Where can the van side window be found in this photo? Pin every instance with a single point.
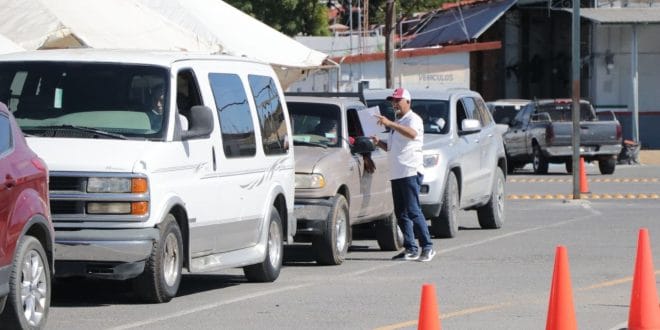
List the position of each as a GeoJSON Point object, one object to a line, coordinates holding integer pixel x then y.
{"type": "Point", "coordinates": [231, 102]}
{"type": "Point", "coordinates": [271, 115]}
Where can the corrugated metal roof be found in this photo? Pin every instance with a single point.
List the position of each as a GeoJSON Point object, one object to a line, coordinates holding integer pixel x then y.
{"type": "Point", "coordinates": [458, 25]}
{"type": "Point", "coordinates": [621, 15]}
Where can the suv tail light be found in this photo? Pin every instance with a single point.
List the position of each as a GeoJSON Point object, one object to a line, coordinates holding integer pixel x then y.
{"type": "Point", "coordinates": [619, 132]}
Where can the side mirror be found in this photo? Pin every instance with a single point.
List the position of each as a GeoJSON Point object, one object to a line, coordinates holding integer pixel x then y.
{"type": "Point", "coordinates": [362, 145]}
{"type": "Point", "coordinates": [200, 123]}
{"type": "Point", "coordinates": [469, 126]}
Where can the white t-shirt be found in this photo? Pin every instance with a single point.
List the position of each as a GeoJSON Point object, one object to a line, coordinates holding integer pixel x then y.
{"type": "Point", "coordinates": [405, 155]}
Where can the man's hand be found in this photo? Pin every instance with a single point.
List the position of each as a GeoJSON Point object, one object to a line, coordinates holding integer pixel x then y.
{"type": "Point", "coordinates": [382, 120]}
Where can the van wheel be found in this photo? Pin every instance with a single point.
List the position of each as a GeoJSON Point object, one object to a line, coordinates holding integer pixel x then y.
{"type": "Point", "coordinates": [160, 280]}
{"type": "Point", "coordinates": [388, 234]}
{"type": "Point", "coordinates": [269, 269]}
{"type": "Point", "coordinates": [332, 246]}
{"type": "Point", "coordinates": [446, 225]}
{"type": "Point", "coordinates": [539, 163]}
{"type": "Point", "coordinates": [607, 165]}
{"type": "Point", "coordinates": [491, 215]}
{"type": "Point", "coordinates": [28, 301]}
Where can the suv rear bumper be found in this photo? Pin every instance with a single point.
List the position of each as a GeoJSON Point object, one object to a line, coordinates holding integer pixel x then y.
{"type": "Point", "coordinates": [311, 215]}
{"type": "Point", "coordinates": [106, 253]}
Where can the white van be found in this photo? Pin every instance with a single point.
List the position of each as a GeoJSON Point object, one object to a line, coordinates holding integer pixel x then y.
{"type": "Point", "coordinates": [159, 162]}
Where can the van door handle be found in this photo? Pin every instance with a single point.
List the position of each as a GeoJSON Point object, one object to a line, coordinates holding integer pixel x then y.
{"type": "Point", "coordinates": [213, 157]}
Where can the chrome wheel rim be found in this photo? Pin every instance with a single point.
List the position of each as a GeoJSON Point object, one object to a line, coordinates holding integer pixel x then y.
{"type": "Point", "coordinates": [340, 229]}
{"type": "Point", "coordinates": [34, 288]}
{"type": "Point", "coordinates": [274, 244]}
{"type": "Point", "coordinates": [536, 161]}
{"type": "Point", "coordinates": [171, 259]}
{"type": "Point", "coordinates": [499, 195]}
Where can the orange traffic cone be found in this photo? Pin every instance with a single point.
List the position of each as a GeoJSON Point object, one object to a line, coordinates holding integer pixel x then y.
{"type": "Point", "coordinates": [584, 184]}
{"type": "Point", "coordinates": [644, 312]}
{"type": "Point", "coordinates": [429, 318]}
{"type": "Point", "coordinates": [561, 313]}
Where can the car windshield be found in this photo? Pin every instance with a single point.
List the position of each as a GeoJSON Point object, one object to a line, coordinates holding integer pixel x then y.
{"type": "Point", "coordinates": [434, 113]}
{"type": "Point", "coordinates": [315, 124]}
{"type": "Point", "coordinates": [503, 114]}
{"type": "Point", "coordinates": [86, 100]}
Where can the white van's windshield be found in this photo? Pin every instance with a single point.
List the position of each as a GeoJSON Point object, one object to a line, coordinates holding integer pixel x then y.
{"type": "Point", "coordinates": [86, 100]}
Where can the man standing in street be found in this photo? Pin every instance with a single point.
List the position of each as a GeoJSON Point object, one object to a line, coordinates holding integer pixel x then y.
{"type": "Point", "coordinates": [404, 148]}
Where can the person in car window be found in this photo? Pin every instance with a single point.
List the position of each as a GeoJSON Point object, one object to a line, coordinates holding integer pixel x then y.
{"type": "Point", "coordinates": [404, 148]}
{"type": "Point", "coordinates": [156, 110]}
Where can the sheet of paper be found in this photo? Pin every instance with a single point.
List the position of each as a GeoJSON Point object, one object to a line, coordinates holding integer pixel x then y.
{"type": "Point", "coordinates": [369, 122]}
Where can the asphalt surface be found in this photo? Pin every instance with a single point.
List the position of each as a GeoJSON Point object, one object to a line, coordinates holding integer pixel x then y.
{"type": "Point", "coordinates": [485, 279]}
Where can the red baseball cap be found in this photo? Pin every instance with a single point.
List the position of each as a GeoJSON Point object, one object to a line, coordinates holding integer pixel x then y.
{"type": "Point", "coordinates": [399, 93]}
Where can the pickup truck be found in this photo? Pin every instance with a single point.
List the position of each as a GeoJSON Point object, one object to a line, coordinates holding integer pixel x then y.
{"type": "Point", "coordinates": [541, 133]}
{"type": "Point", "coordinates": [464, 160]}
{"type": "Point", "coordinates": [341, 179]}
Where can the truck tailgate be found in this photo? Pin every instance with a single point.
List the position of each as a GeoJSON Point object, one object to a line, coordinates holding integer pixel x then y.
{"type": "Point", "coordinates": [592, 133]}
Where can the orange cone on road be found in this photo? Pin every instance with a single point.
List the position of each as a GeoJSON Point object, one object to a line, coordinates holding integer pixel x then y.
{"type": "Point", "coordinates": [429, 318]}
{"type": "Point", "coordinates": [644, 312]}
{"type": "Point", "coordinates": [584, 184]}
{"type": "Point", "coordinates": [561, 313]}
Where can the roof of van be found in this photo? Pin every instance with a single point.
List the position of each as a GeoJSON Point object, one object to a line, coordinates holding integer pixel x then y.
{"type": "Point", "coordinates": [323, 100]}
{"type": "Point", "coordinates": [164, 58]}
{"type": "Point", "coordinates": [424, 94]}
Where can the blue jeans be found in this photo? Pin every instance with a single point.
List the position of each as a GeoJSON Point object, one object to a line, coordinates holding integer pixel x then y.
{"type": "Point", "coordinates": [405, 192]}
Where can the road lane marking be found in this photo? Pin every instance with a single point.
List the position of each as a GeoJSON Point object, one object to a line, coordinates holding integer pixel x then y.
{"type": "Point", "coordinates": [352, 274]}
{"type": "Point", "coordinates": [487, 308]}
{"type": "Point", "coordinates": [565, 180]}
{"type": "Point", "coordinates": [583, 196]}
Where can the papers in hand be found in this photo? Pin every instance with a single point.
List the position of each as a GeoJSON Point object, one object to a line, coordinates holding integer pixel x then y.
{"type": "Point", "coordinates": [369, 121]}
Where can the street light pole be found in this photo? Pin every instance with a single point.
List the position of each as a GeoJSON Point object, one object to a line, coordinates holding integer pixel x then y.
{"type": "Point", "coordinates": [389, 44]}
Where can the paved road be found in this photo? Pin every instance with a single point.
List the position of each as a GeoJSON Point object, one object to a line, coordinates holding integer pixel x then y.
{"type": "Point", "coordinates": [485, 279]}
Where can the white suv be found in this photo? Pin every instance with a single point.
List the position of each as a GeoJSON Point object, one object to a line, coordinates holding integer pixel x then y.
{"type": "Point", "coordinates": [464, 160]}
{"type": "Point", "coordinates": [159, 162]}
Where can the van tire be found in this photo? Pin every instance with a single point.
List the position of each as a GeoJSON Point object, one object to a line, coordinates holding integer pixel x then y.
{"type": "Point", "coordinates": [14, 313]}
{"type": "Point", "coordinates": [491, 215]}
{"type": "Point", "coordinates": [332, 246]}
{"type": "Point", "coordinates": [388, 234]}
{"type": "Point", "coordinates": [269, 269]}
{"type": "Point", "coordinates": [446, 224]}
{"type": "Point", "coordinates": [159, 282]}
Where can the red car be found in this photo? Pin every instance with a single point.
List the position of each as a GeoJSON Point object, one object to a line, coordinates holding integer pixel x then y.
{"type": "Point", "coordinates": [26, 231]}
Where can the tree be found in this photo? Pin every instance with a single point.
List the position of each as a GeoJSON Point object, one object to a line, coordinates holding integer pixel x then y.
{"type": "Point", "coordinates": [291, 17]}
{"type": "Point", "coordinates": [404, 8]}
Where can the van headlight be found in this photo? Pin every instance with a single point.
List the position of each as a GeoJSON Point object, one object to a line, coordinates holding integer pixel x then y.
{"type": "Point", "coordinates": [431, 160]}
{"type": "Point", "coordinates": [310, 181]}
{"type": "Point", "coordinates": [116, 185]}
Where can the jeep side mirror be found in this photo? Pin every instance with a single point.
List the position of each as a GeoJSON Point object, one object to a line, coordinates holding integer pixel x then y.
{"type": "Point", "coordinates": [469, 126]}
{"type": "Point", "coordinates": [200, 123]}
{"type": "Point", "coordinates": [362, 145]}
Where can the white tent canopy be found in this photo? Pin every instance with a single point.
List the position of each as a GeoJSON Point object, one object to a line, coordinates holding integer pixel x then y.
{"type": "Point", "coordinates": [8, 46]}
{"type": "Point", "coordinates": [195, 25]}
{"type": "Point", "coordinates": [40, 24]}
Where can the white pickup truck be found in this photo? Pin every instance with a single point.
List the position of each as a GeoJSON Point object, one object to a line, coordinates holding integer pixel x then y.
{"type": "Point", "coordinates": [159, 162]}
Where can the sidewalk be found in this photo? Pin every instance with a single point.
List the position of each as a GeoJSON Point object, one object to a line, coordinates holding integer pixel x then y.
{"type": "Point", "coordinates": [649, 157]}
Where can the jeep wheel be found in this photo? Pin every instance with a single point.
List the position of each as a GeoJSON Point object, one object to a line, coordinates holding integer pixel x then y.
{"type": "Point", "coordinates": [331, 247]}
{"type": "Point", "coordinates": [388, 234]}
{"type": "Point", "coordinates": [29, 287]}
{"type": "Point", "coordinates": [160, 280]}
{"type": "Point", "coordinates": [269, 269]}
{"type": "Point", "coordinates": [446, 225]}
{"type": "Point", "coordinates": [607, 166]}
{"type": "Point", "coordinates": [539, 163]}
{"type": "Point", "coordinates": [491, 215]}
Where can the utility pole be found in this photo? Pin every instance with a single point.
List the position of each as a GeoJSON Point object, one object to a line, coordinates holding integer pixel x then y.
{"type": "Point", "coordinates": [575, 47]}
{"type": "Point", "coordinates": [389, 43]}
